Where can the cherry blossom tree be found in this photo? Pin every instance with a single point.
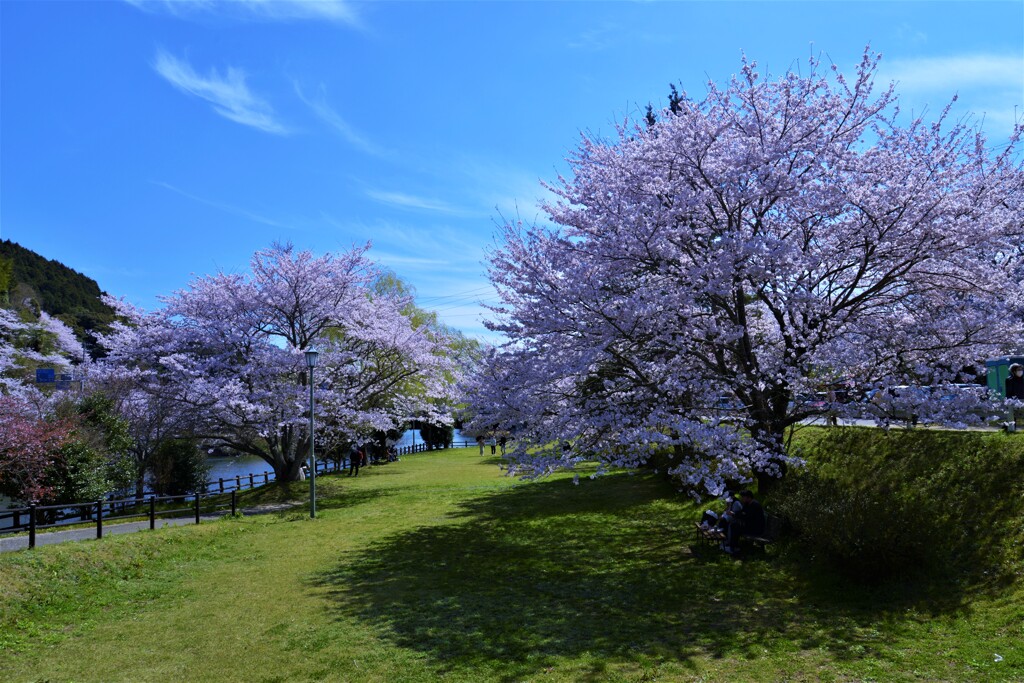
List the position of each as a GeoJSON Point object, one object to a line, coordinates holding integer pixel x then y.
{"type": "Point", "coordinates": [29, 448]}
{"type": "Point", "coordinates": [152, 412]}
{"type": "Point", "coordinates": [229, 350]}
{"type": "Point", "coordinates": [709, 268]}
{"type": "Point", "coordinates": [32, 340]}
{"type": "Point", "coordinates": [55, 446]}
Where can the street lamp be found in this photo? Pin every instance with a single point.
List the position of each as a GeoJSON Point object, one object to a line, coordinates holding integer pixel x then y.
{"type": "Point", "coordinates": [311, 358]}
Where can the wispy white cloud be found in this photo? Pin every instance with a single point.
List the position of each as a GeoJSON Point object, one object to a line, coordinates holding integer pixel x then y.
{"type": "Point", "coordinates": [609, 35]}
{"type": "Point", "coordinates": [907, 33]}
{"type": "Point", "coordinates": [990, 87]}
{"type": "Point", "coordinates": [398, 260]}
{"type": "Point", "coordinates": [336, 11]}
{"type": "Point", "coordinates": [595, 39]}
{"type": "Point", "coordinates": [514, 193]}
{"type": "Point", "coordinates": [446, 269]}
{"type": "Point", "coordinates": [956, 72]}
{"type": "Point", "coordinates": [228, 93]}
{"type": "Point", "coordinates": [227, 208]}
{"type": "Point", "coordinates": [446, 244]}
{"type": "Point", "coordinates": [404, 200]}
{"type": "Point", "coordinates": [341, 127]}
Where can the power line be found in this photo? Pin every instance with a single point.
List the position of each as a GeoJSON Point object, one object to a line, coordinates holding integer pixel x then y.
{"type": "Point", "coordinates": [455, 295]}
{"type": "Point", "coordinates": [465, 304]}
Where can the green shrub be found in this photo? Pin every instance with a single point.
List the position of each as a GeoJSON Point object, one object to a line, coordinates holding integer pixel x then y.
{"type": "Point", "coordinates": [95, 461]}
{"type": "Point", "coordinates": [883, 504]}
{"type": "Point", "coordinates": [436, 436]}
{"type": "Point", "coordinates": [178, 467]}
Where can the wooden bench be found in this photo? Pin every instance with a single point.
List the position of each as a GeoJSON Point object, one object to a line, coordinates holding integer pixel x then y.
{"type": "Point", "coordinates": [712, 535]}
{"type": "Point", "coordinates": [772, 529]}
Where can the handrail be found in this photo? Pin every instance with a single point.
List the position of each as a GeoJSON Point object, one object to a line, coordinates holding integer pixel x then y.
{"type": "Point", "coordinates": [148, 502]}
{"type": "Point", "coordinates": [145, 506]}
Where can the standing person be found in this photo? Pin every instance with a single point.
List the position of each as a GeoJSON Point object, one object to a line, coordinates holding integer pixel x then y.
{"type": "Point", "coordinates": [355, 459]}
{"type": "Point", "coordinates": [480, 443]}
{"type": "Point", "coordinates": [749, 521]}
{"type": "Point", "coordinates": [1015, 390]}
{"type": "Point", "coordinates": [501, 442]}
{"type": "Point", "coordinates": [493, 444]}
{"type": "Point", "coordinates": [833, 419]}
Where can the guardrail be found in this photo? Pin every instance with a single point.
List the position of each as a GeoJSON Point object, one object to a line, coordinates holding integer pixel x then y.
{"type": "Point", "coordinates": [240, 482]}
{"type": "Point", "coordinates": [36, 517]}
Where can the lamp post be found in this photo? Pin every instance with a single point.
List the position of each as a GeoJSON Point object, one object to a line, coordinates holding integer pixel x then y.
{"type": "Point", "coordinates": [311, 358]}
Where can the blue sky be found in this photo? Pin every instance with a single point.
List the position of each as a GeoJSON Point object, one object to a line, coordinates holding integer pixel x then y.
{"type": "Point", "coordinates": [143, 143]}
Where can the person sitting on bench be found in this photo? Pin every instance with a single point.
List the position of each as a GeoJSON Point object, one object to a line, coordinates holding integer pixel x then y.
{"type": "Point", "coordinates": [712, 520]}
{"type": "Point", "coordinates": [749, 521]}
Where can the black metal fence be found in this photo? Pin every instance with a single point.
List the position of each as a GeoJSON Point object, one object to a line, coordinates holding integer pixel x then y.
{"type": "Point", "coordinates": [36, 517]}
{"type": "Point", "coordinates": [240, 482]}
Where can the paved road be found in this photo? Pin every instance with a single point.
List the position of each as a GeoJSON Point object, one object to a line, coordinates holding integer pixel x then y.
{"type": "Point", "coordinates": [20, 542]}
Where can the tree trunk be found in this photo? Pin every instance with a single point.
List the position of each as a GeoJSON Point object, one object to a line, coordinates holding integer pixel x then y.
{"type": "Point", "coordinates": [289, 454]}
{"type": "Point", "coordinates": [770, 436]}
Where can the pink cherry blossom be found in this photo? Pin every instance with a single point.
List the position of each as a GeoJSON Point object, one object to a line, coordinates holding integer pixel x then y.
{"type": "Point", "coordinates": [229, 352]}
{"type": "Point", "coordinates": [704, 275]}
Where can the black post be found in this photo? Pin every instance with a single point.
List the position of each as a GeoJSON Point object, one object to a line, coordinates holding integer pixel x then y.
{"type": "Point", "coordinates": [238, 481]}
{"type": "Point", "coordinates": [99, 519]}
{"type": "Point", "coordinates": [251, 484]}
{"type": "Point", "coordinates": [222, 484]}
{"type": "Point", "coordinates": [32, 525]}
{"type": "Point", "coordinates": [152, 513]}
{"type": "Point", "coordinates": [197, 507]}
{"type": "Point", "coordinates": [266, 477]}
{"type": "Point", "coordinates": [234, 503]}
{"type": "Point", "coordinates": [15, 519]}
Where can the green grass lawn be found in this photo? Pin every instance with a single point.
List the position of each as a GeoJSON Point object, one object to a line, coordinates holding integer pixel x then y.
{"type": "Point", "coordinates": [440, 568]}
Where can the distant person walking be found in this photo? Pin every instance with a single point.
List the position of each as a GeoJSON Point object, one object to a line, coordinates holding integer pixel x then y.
{"type": "Point", "coordinates": [355, 459]}
{"type": "Point", "coordinates": [493, 444]}
{"type": "Point", "coordinates": [501, 442]}
{"type": "Point", "coordinates": [1015, 390]}
{"type": "Point", "coordinates": [480, 443]}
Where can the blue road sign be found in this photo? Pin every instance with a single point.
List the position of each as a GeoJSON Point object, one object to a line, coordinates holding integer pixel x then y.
{"type": "Point", "coordinates": [44, 375]}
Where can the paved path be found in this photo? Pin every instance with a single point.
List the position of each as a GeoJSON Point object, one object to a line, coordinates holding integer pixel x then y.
{"type": "Point", "coordinates": [20, 542]}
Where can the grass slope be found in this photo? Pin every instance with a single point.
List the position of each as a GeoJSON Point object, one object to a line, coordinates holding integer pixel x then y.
{"type": "Point", "coordinates": [439, 568]}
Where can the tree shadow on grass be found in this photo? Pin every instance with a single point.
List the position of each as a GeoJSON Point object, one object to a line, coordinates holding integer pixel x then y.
{"type": "Point", "coordinates": [521, 579]}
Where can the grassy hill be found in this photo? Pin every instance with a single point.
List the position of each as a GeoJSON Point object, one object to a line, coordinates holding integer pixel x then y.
{"type": "Point", "coordinates": [440, 568]}
{"type": "Point", "coordinates": [55, 288]}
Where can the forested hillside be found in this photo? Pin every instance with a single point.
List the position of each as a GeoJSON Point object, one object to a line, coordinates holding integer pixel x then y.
{"type": "Point", "coordinates": [28, 280]}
